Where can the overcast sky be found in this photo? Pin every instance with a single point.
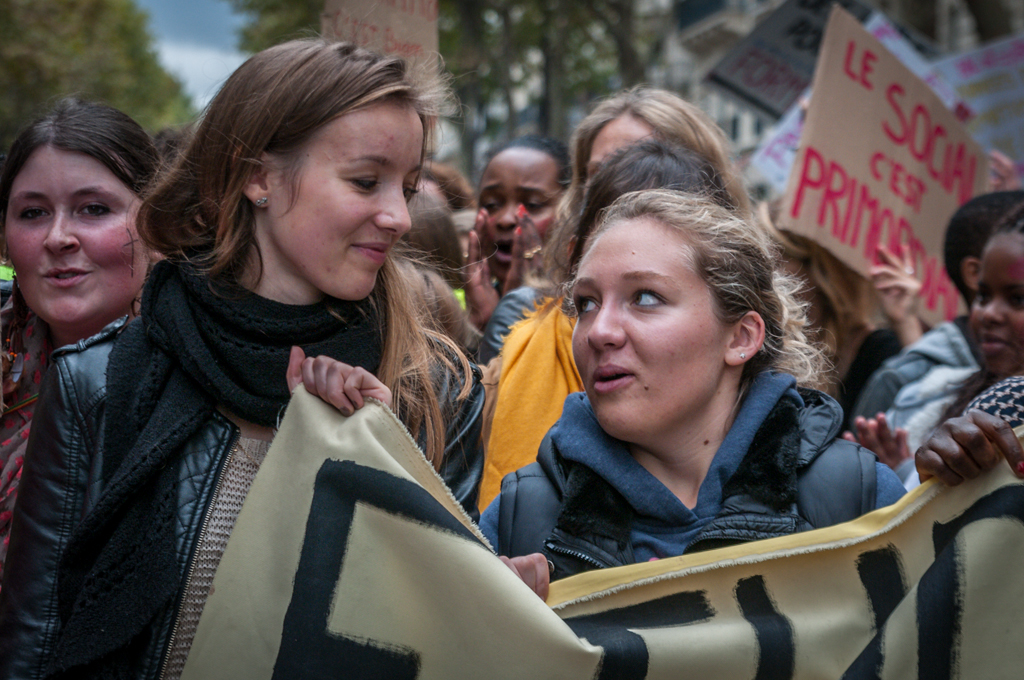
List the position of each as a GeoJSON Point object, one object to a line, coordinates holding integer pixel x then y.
{"type": "Point", "coordinates": [196, 40]}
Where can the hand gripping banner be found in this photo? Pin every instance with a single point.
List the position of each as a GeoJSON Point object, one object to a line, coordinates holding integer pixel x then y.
{"type": "Point", "coordinates": [351, 560]}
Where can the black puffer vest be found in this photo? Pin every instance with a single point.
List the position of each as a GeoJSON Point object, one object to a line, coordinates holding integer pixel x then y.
{"type": "Point", "coordinates": [796, 476]}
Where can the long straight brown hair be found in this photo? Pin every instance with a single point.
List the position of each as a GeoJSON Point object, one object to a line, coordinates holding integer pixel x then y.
{"type": "Point", "coordinates": [274, 104]}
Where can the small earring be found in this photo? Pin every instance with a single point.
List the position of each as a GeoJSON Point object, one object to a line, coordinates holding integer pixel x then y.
{"type": "Point", "coordinates": [743, 355]}
{"type": "Point", "coordinates": [261, 201]}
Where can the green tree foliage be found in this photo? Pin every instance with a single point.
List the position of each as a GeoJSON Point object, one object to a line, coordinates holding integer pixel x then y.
{"type": "Point", "coordinates": [497, 49]}
{"type": "Point", "coordinates": [274, 21]}
{"type": "Point", "coordinates": [558, 50]}
{"type": "Point", "coordinates": [96, 49]}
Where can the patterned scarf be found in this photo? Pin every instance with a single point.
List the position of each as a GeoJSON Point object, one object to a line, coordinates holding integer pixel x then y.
{"type": "Point", "coordinates": [26, 355]}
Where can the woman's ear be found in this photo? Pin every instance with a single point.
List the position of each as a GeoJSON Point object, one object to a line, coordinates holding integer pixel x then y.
{"type": "Point", "coordinates": [746, 339]}
{"type": "Point", "coordinates": [258, 185]}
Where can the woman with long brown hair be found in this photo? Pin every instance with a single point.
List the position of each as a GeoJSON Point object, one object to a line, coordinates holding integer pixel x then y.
{"type": "Point", "coordinates": [276, 225]}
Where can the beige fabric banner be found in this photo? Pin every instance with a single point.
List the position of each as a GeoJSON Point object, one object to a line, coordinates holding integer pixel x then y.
{"type": "Point", "coordinates": [350, 559]}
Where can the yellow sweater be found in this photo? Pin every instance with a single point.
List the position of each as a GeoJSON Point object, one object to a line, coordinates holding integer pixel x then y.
{"type": "Point", "coordinates": [537, 374]}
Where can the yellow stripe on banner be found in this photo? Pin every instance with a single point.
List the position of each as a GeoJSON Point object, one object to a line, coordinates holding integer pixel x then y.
{"type": "Point", "coordinates": [593, 584]}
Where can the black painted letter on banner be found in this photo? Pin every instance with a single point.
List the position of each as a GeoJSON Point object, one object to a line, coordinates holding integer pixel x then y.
{"type": "Point", "coordinates": [308, 650]}
{"type": "Point", "coordinates": [625, 652]}
{"type": "Point", "coordinates": [939, 603]}
{"type": "Point", "coordinates": [881, 572]}
{"type": "Point", "coordinates": [776, 647]}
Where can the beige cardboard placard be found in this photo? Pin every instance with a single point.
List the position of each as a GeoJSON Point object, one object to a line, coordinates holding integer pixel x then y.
{"type": "Point", "coordinates": [881, 162]}
{"type": "Point", "coordinates": [406, 28]}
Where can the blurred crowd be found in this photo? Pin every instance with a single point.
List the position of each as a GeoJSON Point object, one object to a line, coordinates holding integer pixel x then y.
{"type": "Point", "coordinates": [608, 352]}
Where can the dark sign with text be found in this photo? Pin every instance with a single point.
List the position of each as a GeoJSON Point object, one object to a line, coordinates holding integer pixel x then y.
{"type": "Point", "coordinates": [774, 64]}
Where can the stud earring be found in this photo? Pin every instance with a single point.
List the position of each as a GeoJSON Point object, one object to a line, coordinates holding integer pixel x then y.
{"type": "Point", "coordinates": [261, 201]}
{"type": "Point", "coordinates": [743, 355]}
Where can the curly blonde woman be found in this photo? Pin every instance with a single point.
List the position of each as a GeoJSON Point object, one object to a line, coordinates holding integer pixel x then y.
{"type": "Point", "coordinates": [697, 428]}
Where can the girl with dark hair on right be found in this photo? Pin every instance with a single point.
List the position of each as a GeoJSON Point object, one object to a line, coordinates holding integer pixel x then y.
{"type": "Point", "coordinates": [971, 440]}
{"type": "Point", "coordinates": [997, 312]}
{"type": "Point", "coordinates": [69, 193]}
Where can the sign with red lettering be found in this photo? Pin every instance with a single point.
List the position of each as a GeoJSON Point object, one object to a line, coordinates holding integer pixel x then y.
{"type": "Point", "coordinates": [406, 28]}
{"type": "Point", "coordinates": [881, 162]}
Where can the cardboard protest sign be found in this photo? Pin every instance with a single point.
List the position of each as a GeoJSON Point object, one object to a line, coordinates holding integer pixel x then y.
{"type": "Point", "coordinates": [991, 79]}
{"type": "Point", "coordinates": [351, 559]}
{"type": "Point", "coordinates": [406, 28]}
{"type": "Point", "coordinates": [774, 156]}
{"type": "Point", "coordinates": [774, 63]}
{"type": "Point", "coordinates": [881, 162]}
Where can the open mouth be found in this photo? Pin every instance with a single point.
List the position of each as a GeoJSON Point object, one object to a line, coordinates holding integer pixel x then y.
{"type": "Point", "coordinates": [503, 250]}
{"type": "Point", "coordinates": [610, 379]}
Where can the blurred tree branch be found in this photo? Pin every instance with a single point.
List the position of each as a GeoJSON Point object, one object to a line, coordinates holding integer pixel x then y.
{"type": "Point", "coordinates": [274, 21]}
{"type": "Point", "coordinates": [96, 49]}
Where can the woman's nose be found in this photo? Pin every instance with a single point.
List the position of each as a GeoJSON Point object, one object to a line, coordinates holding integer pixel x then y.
{"type": "Point", "coordinates": [61, 236]}
{"type": "Point", "coordinates": [506, 217]}
{"type": "Point", "coordinates": [394, 214]}
{"type": "Point", "coordinates": [606, 328]}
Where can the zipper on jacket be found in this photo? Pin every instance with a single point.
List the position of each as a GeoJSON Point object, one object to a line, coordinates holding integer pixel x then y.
{"type": "Point", "coordinates": [581, 556]}
{"type": "Point", "coordinates": [195, 552]}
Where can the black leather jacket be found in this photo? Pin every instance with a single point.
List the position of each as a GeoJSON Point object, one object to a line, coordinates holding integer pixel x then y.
{"type": "Point", "coordinates": [61, 481]}
{"type": "Point", "coordinates": [796, 476]}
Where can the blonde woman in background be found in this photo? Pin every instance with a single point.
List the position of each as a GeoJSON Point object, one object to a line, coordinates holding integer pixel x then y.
{"type": "Point", "coordinates": [845, 309]}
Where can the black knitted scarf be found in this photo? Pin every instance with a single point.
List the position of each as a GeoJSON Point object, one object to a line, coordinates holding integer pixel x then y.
{"type": "Point", "coordinates": [193, 349]}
